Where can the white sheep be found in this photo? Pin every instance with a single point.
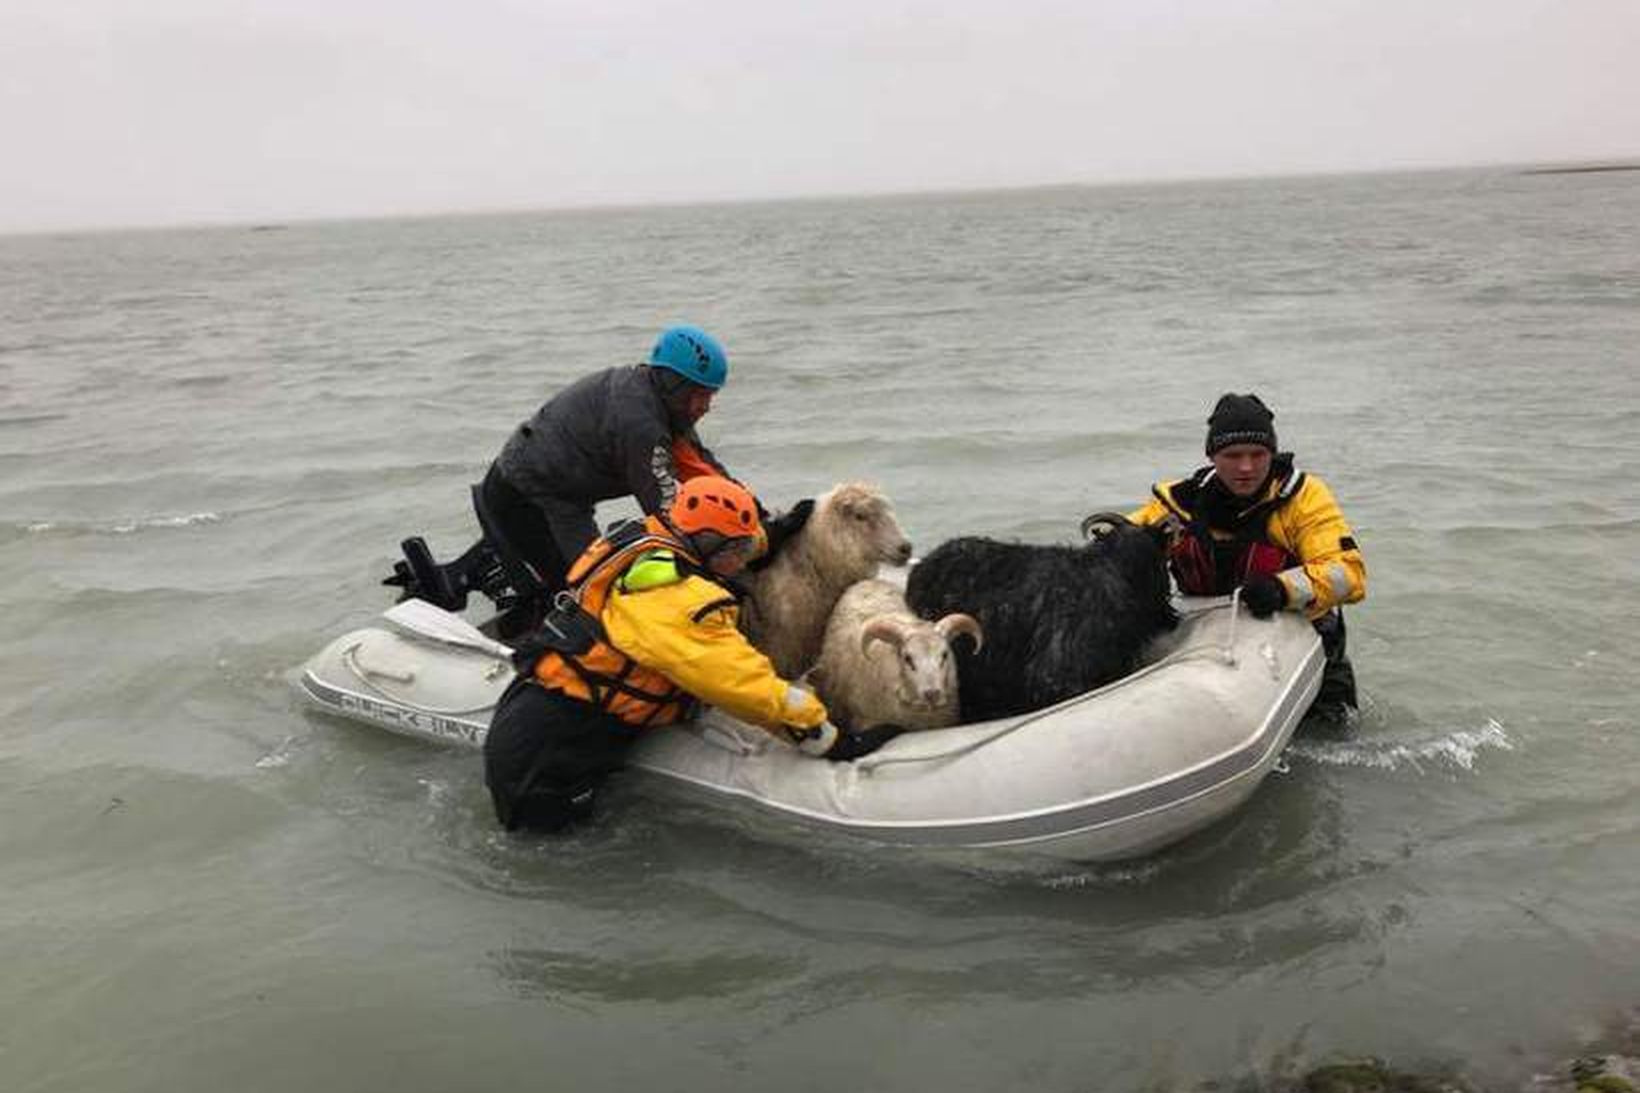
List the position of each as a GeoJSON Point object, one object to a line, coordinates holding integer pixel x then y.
{"type": "Point", "coordinates": [850, 533]}
{"type": "Point", "coordinates": [882, 665]}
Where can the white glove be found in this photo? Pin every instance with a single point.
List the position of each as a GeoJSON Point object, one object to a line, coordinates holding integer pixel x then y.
{"type": "Point", "coordinates": [814, 742]}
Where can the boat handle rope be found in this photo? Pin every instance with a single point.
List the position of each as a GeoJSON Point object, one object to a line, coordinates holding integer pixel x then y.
{"type": "Point", "coordinates": [1230, 641]}
{"type": "Point", "coordinates": [1225, 654]}
{"type": "Point", "coordinates": [350, 657]}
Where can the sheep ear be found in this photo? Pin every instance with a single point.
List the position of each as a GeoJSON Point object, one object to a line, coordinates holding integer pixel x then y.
{"type": "Point", "coordinates": [882, 628]}
{"type": "Point", "coordinates": [952, 626]}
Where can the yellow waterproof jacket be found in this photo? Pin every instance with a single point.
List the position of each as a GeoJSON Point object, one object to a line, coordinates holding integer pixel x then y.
{"type": "Point", "coordinates": [664, 634]}
{"type": "Point", "coordinates": [1304, 521]}
{"type": "Point", "coordinates": [683, 627]}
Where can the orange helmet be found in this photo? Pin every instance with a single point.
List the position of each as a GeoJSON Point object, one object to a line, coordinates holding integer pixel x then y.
{"type": "Point", "coordinates": [709, 503]}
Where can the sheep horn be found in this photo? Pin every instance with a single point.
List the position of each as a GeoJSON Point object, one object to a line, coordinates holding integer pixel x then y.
{"type": "Point", "coordinates": [952, 626]}
{"type": "Point", "coordinates": [882, 628]}
{"type": "Point", "coordinates": [1097, 525]}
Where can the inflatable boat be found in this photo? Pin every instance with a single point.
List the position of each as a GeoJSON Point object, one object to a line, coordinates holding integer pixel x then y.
{"type": "Point", "coordinates": [1112, 774]}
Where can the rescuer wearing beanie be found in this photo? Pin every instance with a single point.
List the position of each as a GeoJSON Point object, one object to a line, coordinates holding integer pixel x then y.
{"type": "Point", "coordinates": [1251, 520]}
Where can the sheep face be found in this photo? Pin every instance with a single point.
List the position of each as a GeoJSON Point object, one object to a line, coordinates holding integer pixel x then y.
{"type": "Point", "coordinates": [925, 671]}
{"type": "Point", "coordinates": [860, 523]}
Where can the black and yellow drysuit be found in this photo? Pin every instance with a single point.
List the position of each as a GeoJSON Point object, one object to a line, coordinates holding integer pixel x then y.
{"type": "Point", "coordinates": [1291, 531]}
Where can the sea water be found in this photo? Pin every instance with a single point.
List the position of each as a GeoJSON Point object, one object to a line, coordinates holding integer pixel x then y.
{"type": "Point", "coordinates": [211, 442]}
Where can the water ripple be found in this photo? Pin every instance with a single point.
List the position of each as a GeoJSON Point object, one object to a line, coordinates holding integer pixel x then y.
{"type": "Point", "coordinates": [1459, 749]}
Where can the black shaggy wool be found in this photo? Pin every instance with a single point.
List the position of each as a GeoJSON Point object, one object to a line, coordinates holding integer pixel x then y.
{"type": "Point", "coordinates": [1058, 620]}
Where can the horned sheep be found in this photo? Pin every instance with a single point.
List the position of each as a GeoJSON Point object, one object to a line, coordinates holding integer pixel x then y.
{"type": "Point", "coordinates": [1058, 620]}
{"type": "Point", "coordinates": [851, 531]}
{"type": "Point", "coordinates": [881, 665]}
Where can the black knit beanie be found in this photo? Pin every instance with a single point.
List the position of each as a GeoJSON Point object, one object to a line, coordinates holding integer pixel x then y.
{"type": "Point", "coordinates": [1240, 419]}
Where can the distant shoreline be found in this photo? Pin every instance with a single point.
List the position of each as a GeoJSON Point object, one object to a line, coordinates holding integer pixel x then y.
{"type": "Point", "coordinates": [1582, 170]}
{"type": "Point", "coordinates": [275, 220]}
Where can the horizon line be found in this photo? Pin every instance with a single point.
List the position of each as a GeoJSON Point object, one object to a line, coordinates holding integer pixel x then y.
{"type": "Point", "coordinates": [1583, 165]}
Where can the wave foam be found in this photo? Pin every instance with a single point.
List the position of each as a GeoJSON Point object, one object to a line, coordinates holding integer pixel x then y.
{"type": "Point", "coordinates": [191, 520]}
{"type": "Point", "coordinates": [278, 757]}
{"type": "Point", "coordinates": [125, 527]}
{"type": "Point", "coordinates": [1455, 749]}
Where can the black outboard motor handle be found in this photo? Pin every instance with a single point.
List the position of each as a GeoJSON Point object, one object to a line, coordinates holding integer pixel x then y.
{"type": "Point", "coordinates": [490, 566]}
{"type": "Point", "coordinates": [424, 579]}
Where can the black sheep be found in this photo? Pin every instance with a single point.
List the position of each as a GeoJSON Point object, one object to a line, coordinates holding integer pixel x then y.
{"type": "Point", "coordinates": [1058, 620]}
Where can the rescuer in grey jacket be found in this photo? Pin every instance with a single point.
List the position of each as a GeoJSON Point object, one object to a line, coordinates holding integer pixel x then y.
{"type": "Point", "coordinates": [625, 431]}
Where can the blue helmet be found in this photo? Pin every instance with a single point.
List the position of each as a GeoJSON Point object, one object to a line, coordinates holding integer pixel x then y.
{"type": "Point", "coordinates": [693, 354]}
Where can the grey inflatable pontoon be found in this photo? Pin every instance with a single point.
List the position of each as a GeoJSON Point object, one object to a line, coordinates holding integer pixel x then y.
{"type": "Point", "coordinates": [1111, 774]}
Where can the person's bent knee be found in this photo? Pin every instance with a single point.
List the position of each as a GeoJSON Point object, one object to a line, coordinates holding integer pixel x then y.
{"type": "Point", "coordinates": [545, 756]}
{"type": "Point", "coordinates": [544, 811]}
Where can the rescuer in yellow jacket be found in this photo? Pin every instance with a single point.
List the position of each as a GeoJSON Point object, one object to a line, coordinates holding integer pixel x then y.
{"type": "Point", "coordinates": [1251, 520]}
{"type": "Point", "coordinates": [645, 632]}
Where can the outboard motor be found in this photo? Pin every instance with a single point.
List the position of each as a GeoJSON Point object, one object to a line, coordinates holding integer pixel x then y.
{"type": "Point", "coordinates": [490, 567]}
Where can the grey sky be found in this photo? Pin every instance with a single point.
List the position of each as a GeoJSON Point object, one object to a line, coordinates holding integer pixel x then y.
{"type": "Point", "coordinates": [154, 111]}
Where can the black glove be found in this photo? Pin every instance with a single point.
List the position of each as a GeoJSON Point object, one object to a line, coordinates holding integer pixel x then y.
{"type": "Point", "coordinates": [1264, 596]}
{"type": "Point", "coordinates": [782, 528]}
{"type": "Point", "coordinates": [852, 745]}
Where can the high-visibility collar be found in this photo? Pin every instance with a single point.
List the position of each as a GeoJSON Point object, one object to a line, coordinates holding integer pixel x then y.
{"type": "Point", "coordinates": [1183, 499]}
{"type": "Point", "coordinates": [596, 570]}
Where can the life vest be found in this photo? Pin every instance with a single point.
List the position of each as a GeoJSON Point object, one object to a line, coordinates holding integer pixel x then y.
{"type": "Point", "coordinates": [1207, 565]}
{"type": "Point", "coordinates": [577, 657]}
